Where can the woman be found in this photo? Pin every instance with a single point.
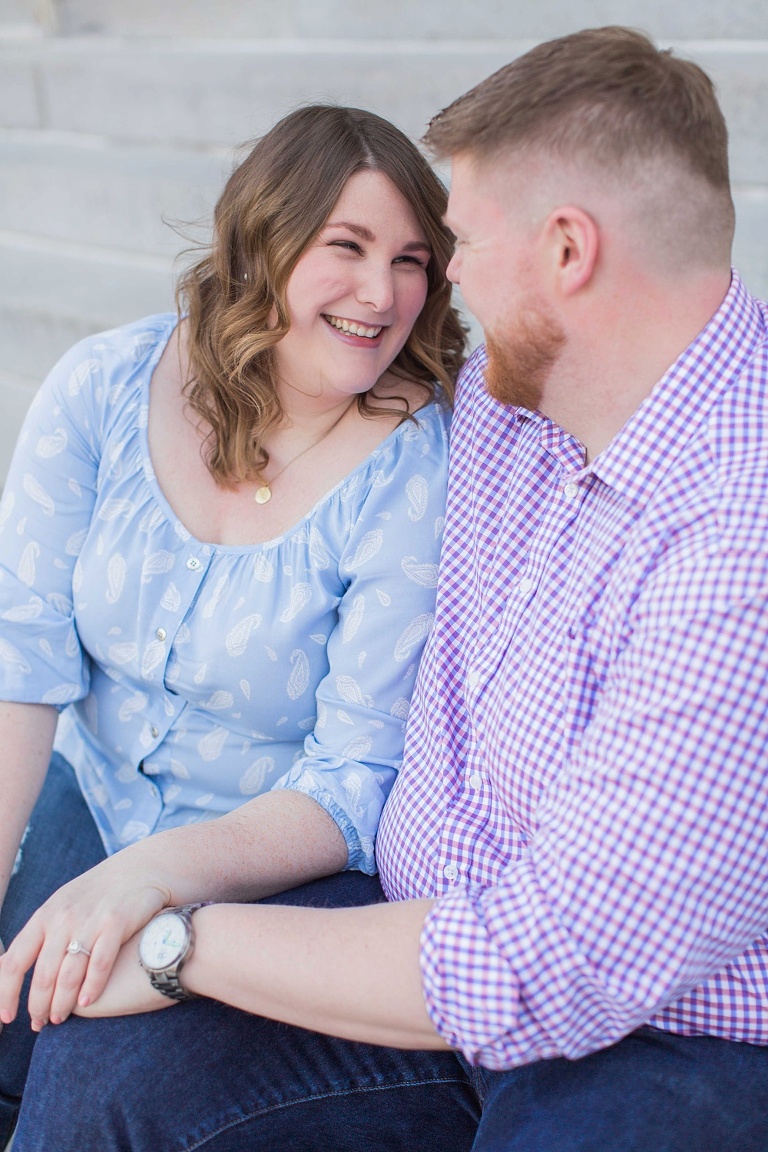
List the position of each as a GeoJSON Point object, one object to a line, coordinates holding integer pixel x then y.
{"type": "Point", "coordinates": [219, 548]}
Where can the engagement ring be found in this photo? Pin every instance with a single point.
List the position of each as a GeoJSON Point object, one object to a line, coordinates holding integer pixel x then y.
{"type": "Point", "coordinates": [74, 947]}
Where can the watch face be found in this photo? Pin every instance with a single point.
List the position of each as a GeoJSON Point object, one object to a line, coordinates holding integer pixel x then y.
{"type": "Point", "coordinates": [163, 941]}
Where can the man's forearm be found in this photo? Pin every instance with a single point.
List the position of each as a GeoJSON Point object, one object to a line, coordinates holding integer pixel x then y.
{"type": "Point", "coordinates": [350, 972]}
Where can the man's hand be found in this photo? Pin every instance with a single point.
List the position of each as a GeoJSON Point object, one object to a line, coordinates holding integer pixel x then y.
{"type": "Point", "coordinates": [128, 989]}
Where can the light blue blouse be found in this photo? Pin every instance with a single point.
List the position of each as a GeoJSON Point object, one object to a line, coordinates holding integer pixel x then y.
{"type": "Point", "coordinates": [192, 676]}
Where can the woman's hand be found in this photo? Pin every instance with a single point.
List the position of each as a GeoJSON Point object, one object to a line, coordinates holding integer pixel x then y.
{"type": "Point", "coordinates": [99, 910]}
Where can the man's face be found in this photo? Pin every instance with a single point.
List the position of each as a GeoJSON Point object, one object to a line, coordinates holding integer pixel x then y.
{"type": "Point", "coordinates": [496, 267]}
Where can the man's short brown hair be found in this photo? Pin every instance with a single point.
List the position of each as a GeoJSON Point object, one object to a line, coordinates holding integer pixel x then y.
{"type": "Point", "coordinates": [606, 95]}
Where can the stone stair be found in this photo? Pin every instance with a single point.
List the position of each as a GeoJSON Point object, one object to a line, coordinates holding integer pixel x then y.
{"type": "Point", "coordinates": [118, 123]}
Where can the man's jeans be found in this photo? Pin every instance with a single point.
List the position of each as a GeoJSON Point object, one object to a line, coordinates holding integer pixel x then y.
{"type": "Point", "coordinates": [205, 1076]}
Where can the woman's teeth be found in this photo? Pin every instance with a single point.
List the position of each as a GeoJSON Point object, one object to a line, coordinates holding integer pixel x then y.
{"type": "Point", "coordinates": [353, 328]}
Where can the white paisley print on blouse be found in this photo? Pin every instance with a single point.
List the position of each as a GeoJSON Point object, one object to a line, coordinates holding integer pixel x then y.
{"type": "Point", "coordinates": [192, 676]}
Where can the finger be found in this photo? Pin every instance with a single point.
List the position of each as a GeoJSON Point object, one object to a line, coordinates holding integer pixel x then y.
{"type": "Point", "coordinates": [105, 953]}
{"type": "Point", "coordinates": [47, 966]}
{"type": "Point", "coordinates": [69, 981]}
{"type": "Point", "coordinates": [14, 965]}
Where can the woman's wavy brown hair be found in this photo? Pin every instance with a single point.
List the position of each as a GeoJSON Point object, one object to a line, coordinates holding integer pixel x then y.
{"type": "Point", "coordinates": [270, 211]}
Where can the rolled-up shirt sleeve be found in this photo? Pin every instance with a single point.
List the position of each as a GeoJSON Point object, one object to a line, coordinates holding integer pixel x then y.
{"type": "Point", "coordinates": [44, 515]}
{"type": "Point", "coordinates": [389, 569]}
{"type": "Point", "coordinates": [645, 877]}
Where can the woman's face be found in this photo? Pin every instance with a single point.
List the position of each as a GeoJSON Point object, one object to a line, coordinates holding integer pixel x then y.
{"type": "Point", "coordinates": [355, 293]}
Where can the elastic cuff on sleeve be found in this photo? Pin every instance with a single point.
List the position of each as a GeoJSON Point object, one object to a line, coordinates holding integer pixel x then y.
{"type": "Point", "coordinates": [357, 857]}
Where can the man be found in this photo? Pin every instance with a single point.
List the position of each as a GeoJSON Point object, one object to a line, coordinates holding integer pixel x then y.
{"type": "Point", "coordinates": [577, 844]}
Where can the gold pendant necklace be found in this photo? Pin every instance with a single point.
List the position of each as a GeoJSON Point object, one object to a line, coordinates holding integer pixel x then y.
{"type": "Point", "coordinates": [263, 493]}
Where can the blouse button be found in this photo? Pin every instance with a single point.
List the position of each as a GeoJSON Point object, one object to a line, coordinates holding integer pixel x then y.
{"type": "Point", "coordinates": [450, 871]}
{"type": "Point", "coordinates": [155, 732]}
{"type": "Point", "coordinates": [476, 780]}
{"type": "Point", "coordinates": [161, 633]}
{"type": "Point", "coordinates": [193, 564]}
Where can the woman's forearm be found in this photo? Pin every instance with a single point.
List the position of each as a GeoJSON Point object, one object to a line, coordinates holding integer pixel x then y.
{"type": "Point", "coordinates": [272, 843]}
{"type": "Point", "coordinates": [26, 739]}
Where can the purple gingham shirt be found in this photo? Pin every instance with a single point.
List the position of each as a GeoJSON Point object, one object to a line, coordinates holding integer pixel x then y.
{"type": "Point", "coordinates": [585, 784]}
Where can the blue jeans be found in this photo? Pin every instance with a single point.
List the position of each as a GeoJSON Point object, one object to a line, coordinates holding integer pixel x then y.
{"type": "Point", "coordinates": [61, 842]}
{"type": "Point", "coordinates": [206, 1076]}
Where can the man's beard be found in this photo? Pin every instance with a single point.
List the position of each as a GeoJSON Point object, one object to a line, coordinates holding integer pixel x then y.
{"type": "Point", "coordinates": [521, 358]}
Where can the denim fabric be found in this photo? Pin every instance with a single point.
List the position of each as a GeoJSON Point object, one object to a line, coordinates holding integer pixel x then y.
{"type": "Point", "coordinates": [61, 842]}
{"type": "Point", "coordinates": [652, 1092]}
{"type": "Point", "coordinates": [206, 1076]}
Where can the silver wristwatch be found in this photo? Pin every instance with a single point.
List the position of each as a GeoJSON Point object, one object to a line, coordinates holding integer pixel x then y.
{"type": "Point", "coordinates": [165, 946]}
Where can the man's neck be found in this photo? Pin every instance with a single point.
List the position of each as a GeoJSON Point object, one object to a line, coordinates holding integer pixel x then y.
{"type": "Point", "coordinates": [614, 358]}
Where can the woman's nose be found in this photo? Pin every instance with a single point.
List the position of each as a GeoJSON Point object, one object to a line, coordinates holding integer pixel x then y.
{"type": "Point", "coordinates": [377, 288]}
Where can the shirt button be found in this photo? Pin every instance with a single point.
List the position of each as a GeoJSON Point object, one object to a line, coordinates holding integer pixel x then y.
{"type": "Point", "coordinates": [161, 633]}
{"type": "Point", "coordinates": [155, 732]}
{"type": "Point", "coordinates": [450, 871]}
{"type": "Point", "coordinates": [525, 586]}
{"type": "Point", "coordinates": [193, 564]}
{"type": "Point", "coordinates": [473, 679]}
{"type": "Point", "coordinates": [571, 490]}
{"type": "Point", "coordinates": [476, 780]}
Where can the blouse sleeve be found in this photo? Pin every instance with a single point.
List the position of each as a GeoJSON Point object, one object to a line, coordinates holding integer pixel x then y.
{"type": "Point", "coordinates": [389, 568]}
{"type": "Point", "coordinates": [44, 516]}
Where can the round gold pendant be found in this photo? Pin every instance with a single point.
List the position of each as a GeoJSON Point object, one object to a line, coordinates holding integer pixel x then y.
{"type": "Point", "coordinates": [263, 495]}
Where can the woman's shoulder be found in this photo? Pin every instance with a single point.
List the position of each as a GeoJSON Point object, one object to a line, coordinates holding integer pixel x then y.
{"type": "Point", "coordinates": [416, 450]}
{"type": "Point", "coordinates": [426, 429]}
{"type": "Point", "coordinates": [114, 352]}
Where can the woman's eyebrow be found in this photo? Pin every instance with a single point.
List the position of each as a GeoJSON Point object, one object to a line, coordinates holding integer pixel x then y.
{"type": "Point", "coordinates": [366, 234]}
{"type": "Point", "coordinates": [358, 229]}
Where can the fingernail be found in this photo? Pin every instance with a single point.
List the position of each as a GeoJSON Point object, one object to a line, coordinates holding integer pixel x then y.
{"type": "Point", "coordinates": [55, 1020]}
{"type": "Point", "coordinates": [5, 1016]}
{"type": "Point", "coordinates": [37, 1025]}
{"type": "Point", "coordinates": [84, 1001]}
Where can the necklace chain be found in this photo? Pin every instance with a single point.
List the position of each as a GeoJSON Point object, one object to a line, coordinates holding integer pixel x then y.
{"type": "Point", "coordinates": [263, 493]}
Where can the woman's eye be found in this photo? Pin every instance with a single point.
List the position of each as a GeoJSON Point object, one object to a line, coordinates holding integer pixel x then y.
{"type": "Point", "coordinates": [349, 245]}
{"type": "Point", "coordinates": [419, 262]}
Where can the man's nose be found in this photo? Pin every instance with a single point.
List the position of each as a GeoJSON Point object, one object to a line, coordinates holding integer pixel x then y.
{"type": "Point", "coordinates": [453, 271]}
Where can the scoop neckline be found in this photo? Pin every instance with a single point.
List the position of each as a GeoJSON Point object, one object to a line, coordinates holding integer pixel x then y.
{"type": "Point", "coordinates": [172, 321]}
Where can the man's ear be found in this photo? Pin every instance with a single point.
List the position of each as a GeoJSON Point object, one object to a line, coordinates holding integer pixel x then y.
{"type": "Point", "coordinates": [573, 241]}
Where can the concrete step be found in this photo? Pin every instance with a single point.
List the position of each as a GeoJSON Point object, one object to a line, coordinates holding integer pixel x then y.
{"type": "Point", "coordinates": [427, 19]}
{"type": "Point", "coordinates": [52, 295]}
{"type": "Point", "coordinates": [193, 93]}
{"type": "Point", "coordinates": [16, 394]}
{"type": "Point", "coordinates": [91, 192]}
{"type": "Point", "coordinates": [750, 249]}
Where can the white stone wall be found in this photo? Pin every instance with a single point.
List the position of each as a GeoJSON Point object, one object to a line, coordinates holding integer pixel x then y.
{"type": "Point", "coordinates": [118, 117]}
